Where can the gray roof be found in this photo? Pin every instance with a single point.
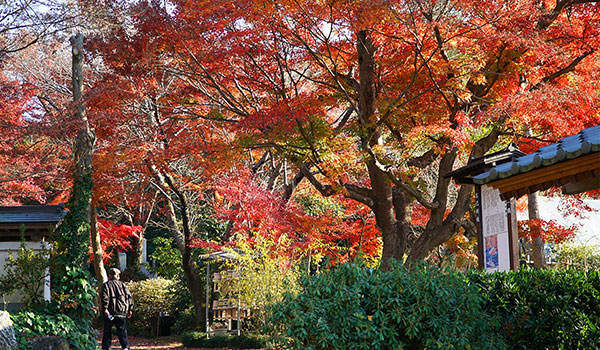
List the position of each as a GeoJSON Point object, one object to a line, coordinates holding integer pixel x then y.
{"type": "Point", "coordinates": [223, 255]}
{"type": "Point", "coordinates": [586, 141]}
{"type": "Point", "coordinates": [32, 214]}
{"type": "Point", "coordinates": [476, 166]}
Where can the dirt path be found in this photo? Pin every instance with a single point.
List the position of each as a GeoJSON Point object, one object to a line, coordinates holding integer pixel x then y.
{"type": "Point", "coordinates": [158, 343]}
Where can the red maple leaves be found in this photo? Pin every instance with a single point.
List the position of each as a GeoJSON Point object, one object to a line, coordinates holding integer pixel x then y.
{"type": "Point", "coordinates": [115, 238]}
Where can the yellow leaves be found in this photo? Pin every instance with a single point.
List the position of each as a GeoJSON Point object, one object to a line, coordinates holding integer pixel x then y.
{"type": "Point", "coordinates": [194, 187]}
{"type": "Point", "coordinates": [219, 198]}
{"type": "Point", "coordinates": [478, 78]}
{"type": "Point", "coordinates": [464, 95]}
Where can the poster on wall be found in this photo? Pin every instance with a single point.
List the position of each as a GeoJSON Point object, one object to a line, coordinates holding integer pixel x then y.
{"type": "Point", "coordinates": [491, 252]}
{"type": "Point", "coordinates": [494, 226]}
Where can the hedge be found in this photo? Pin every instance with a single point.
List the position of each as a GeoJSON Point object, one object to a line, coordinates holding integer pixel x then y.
{"type": "Point", "coordinates": [353, 307]}
{"type": "Point", "coordinates": [544, 309]}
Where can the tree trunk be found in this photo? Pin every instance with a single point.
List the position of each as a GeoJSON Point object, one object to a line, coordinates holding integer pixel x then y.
{"type": "Point", "coordinates": [194, 277]}
{"type": "Point", "coordinates": [135, 256]}
{"type": "Point", "coordinates": [537, 244]}
{"type": "Point", "coordinates": [75, 235]}
{"type": "Point", "coordinates": [392, 233]}
{"type": "Point", "coordinates": [97, 252]}
{"type": "Point", "coordinates": [141, 218]}
{"type": "Point", "coordinates": [182, 234]}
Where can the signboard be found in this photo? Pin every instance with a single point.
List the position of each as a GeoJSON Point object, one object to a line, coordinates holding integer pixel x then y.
{"type": "Point", "coordinates": [495, 230]}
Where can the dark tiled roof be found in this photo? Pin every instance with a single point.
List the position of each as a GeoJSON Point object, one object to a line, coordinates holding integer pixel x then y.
{"type": "Point", "coordinates": [586, 141]}
{"type": "Point", "coordinates": [32, 214]}
{"type": "Point", "coordinates": [476, 166]}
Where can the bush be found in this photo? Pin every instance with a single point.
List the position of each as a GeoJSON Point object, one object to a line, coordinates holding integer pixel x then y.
{"type": "Point", "coordinates": [26, 274]}
{"type": "Point", "coordinates": [579, 257]}
{"type": "Point", "coordinates": [353, 307]}
{"type": "Point", "coordinates": [264, 278]}
{"type": "Point", "coordinates": [151, 298]}
{"type": "Point", "coordinates": [182, 305]}
{"type": "Point", "coordinates": [544, 309]}
{"type": "Point", "coordinates": [29, 324]}
{"type": "Point", "coordinates": [167, 258]}
{"type": "Point", "coordinates": [244, 341]}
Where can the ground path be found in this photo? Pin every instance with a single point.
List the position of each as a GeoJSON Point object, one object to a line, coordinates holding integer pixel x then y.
{"type": "Point", "coordinates": [158, 343]}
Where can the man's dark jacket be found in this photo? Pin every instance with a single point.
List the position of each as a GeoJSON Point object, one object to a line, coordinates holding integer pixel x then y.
{"type": "Point", "coordinates": [116, 298]}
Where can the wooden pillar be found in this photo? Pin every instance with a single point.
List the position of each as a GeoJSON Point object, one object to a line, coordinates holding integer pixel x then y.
{"type": "Point", "coordinates": [513, 233]}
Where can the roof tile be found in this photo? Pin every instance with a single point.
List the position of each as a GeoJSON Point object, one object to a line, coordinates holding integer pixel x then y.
{"type": "Point", "coordinates": [571, 147]}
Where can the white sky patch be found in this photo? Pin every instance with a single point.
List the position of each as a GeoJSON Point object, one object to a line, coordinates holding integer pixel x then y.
{"type": "Point", "coordinates": [589, 227]}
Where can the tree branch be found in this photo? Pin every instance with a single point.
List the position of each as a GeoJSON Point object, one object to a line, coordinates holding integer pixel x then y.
{"type": "Point", "coordinates": [562, 71]}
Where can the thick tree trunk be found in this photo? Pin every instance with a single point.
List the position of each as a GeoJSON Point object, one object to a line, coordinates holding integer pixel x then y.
{"type": "Point", "coordinates": [442, 226]}
{"type": "Point", "coordinates": [393, 234]}
{"type": "Point", "coordinates": [135, 257]}
{"type": "Point", "coordinates": [75, 236]}
{"type": "Point", "coordinates": [194, 278]}
{"type": "Point", "coordinates": [437, 230]}
{"type": "Point", "coordinates": [537, 244]}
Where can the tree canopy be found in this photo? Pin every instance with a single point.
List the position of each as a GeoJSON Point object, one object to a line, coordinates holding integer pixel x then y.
{"type": "Point", "coordinates": [327, 126]}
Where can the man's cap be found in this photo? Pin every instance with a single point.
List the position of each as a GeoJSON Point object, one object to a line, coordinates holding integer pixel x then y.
{"type": "Point", "coordinates": [114, 272]}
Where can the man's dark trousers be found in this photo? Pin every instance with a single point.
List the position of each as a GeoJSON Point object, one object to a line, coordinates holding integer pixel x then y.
{"type": "Point", "coordinates": [119, 322]}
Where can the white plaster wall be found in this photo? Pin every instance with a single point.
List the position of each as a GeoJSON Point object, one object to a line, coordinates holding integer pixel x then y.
{"type": "Point", "coordinates": [12, 248]}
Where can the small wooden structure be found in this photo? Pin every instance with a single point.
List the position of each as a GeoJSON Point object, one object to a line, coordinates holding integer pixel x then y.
{"type": "Point", "coordinates": [572, 163]}
{"type": "Point", "coordinates": [496, 220]}
{"type": "Point", "coordinates": [225, 311]}
{"type": "Point", "coordinates": [33, 223]}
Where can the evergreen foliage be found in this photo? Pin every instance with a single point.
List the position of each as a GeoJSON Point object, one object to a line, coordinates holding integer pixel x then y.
{"type": "Point", "coordinates": [42, 323]}
{"type": "Point", "coordinates": [544, 309]}
{"type": "Point", "coordinates": [26, 274]}
{"type": "Point", "coordinates": [353, 307]}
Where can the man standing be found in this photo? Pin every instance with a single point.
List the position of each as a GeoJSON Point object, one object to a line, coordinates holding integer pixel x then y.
{"type": "Point", "coordinates": [117, 304]}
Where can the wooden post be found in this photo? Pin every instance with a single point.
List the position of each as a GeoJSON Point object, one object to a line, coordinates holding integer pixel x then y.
{"type": "Point", "coordinates": [478, 221]}
{"type": "Point", "coordinates": [207, 297]}
{"type": "Point", "coordinates": [513, 230]}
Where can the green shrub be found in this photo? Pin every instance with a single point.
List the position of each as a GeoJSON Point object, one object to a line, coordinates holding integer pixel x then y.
{"type": "Point", "coordinates": [244, 341]}
{"type": "Point", "coordinates": [578, 257]}
{"type": "Point", "coordinates": [545, 309]}
{"type": "Point", "coordinates": [354, 307]}
{"type": "Point", "coordinates": [151, 298]}
{"type": "Point", "coordinates": [29, 324]}
{"type": "Point", "coordinates": [182, 305]}
{"type": "Point", "coordinates": [167, 258]}
{"type": "Point", "coordinates": [26, 274]}
{"type": "Point", "coordinates": [262, 282]}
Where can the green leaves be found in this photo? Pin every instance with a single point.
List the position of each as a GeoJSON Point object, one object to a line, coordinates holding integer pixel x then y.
{"type": "Point", "coordinates": [33, 324]}
{"type": "Point", "coordinates": [353, 307]}
{"type": "Point", "coordinates": [151, 296]}
{"type": "Point", "coordinates": [424, 308]}
{"type": "Point", "coordinates": [26, 273]}
{"type": "Point", "coordinates": [544, 309]}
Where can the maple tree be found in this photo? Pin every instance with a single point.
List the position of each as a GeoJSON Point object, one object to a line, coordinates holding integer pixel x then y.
{"type": "Point", "coordinates": [116, 238]}
{"type": "Point", "coordinates": [324, 128]}
{"type": "Point", "coordinates": [21, 176]}
{"type": "Point", "coordinates": [365, 99]}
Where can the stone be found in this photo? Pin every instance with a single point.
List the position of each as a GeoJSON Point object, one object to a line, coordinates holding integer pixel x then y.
{"type": "Point", "coordinates": [8, 341]}
{"type": "Point", "coordinates": [49, 343]}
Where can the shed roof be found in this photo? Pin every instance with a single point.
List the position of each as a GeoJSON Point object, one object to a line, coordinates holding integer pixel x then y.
{"type": "Point", "coordinates": [585, 142]}
{"type": "Point", "coordinates": [32, 214]}
{"type": "Point", "coordinates": [33, 222]}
